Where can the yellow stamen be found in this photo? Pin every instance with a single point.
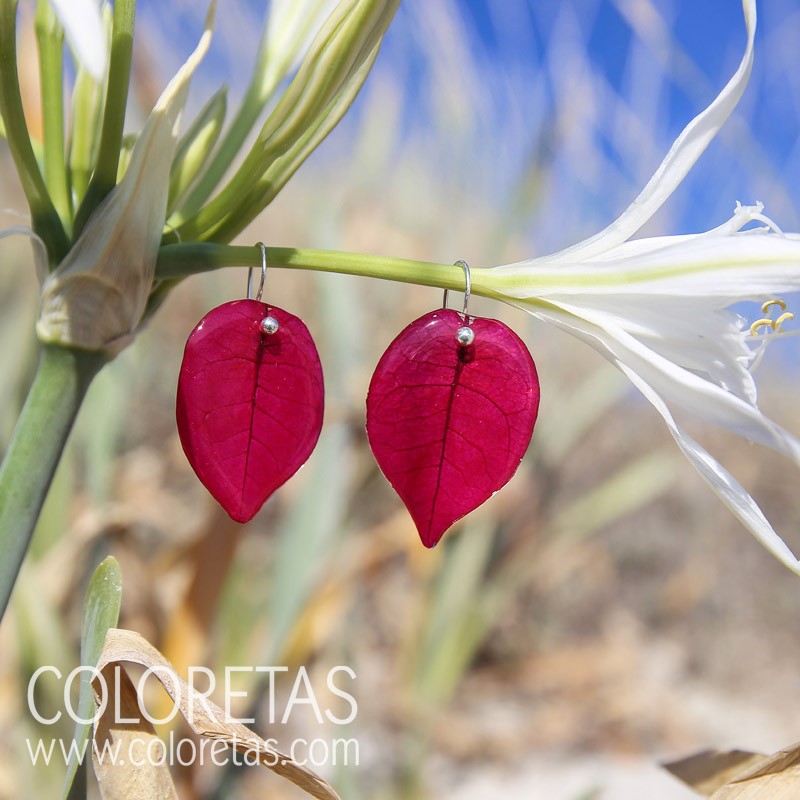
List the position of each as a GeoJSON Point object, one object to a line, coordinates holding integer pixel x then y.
{"type": "Point", "coordinates": [761, 323]}
{"type": "Point", "coordinates": [774, 325]}
{"type": "Point", "coordinates": [765, 307]}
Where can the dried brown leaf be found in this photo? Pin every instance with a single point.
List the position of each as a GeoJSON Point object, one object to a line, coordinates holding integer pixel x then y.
{"type": "Point", "coordinates": [739, 775]}
{"type": "Point", "coordinates": [776, 778]}
{"type": "Point", "coordinates": [712, 769]}
{"type": "Point", "coordinates": [203, 717]}
{"type": "Point", "coordinates": [142, 778]}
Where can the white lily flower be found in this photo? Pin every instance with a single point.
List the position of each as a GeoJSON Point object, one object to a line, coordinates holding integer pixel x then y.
{"type": "Point", "coordinates": [659, 308]}
{"type": "Point", "coordinates": [83, 27]}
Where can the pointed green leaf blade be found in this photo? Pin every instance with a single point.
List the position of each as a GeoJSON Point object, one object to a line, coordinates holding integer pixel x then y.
{"type": "Point", "coordinates": [100, 612]}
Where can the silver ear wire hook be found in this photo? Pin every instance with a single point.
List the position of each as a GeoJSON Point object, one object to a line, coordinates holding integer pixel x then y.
{"type": "Point", "coordinates": [467, 288]}
{"type": "Point", "coordinates": [269, 324]}
{"type": "Point", "coordinates": [263, 274]}
{"type": "Point", "coordinates": [465, 336]}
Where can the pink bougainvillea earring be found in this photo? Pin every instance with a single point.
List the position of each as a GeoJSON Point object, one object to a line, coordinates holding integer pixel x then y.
{"type": "Point", "coordinates": [450, 413]}
{"type": "Point", "coordinates": [250, 400]}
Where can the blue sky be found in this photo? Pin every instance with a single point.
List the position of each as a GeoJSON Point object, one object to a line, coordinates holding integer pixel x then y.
{"type": "Point", "coordinates": [700, 44]}
{"type": "Point", "coordinates": [518, 90]}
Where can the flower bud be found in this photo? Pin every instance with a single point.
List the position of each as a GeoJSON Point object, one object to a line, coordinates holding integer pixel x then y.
{"type": "Point", "coordinates": [196, 145]}
{"type": "Point", "coordinates": [95, 298]}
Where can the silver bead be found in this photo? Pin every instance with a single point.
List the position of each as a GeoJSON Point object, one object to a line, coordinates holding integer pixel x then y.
{"type": "Point", "coordinates": [269, 325]}
{"type": "Point", "coordinates": [465, 336]}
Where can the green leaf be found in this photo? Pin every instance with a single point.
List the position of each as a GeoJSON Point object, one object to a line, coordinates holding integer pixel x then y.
{"type": "Point", "coordinates": [100, 612]}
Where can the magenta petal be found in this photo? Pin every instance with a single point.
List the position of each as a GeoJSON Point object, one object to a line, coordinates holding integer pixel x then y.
{"type": "Point", "coordinates": [449, 425]}
{"type": "Point", "coordinates": [249, 404]}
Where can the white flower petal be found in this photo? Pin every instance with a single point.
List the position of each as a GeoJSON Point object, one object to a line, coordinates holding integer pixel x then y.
{"type": "Point", "coordinates": [727, 488]}
{"type": "Point", "coordinates": [692, 392]}
{"type": "Point", "coordinates": [688, 332]}
{"type": "Point", "coordinates": [685, 151]}
{"type": "Point", "coordinates": [725, 269]}
{"type": "Point", "coordinates": [634, 248]}
{"type": "Point", "coordinates": [83, 27]}
{"type": "Point", "coordinates": [672, 293]}
{"type": "Point", "coordinates": [659, 308]}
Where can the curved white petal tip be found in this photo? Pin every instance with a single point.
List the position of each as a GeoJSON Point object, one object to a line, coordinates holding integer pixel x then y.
{"type": "Point", "coordinates": [83, 28]}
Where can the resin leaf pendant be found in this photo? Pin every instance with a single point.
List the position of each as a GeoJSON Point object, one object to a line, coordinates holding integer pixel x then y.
{"type": "Point", "coordinates": [250, 402]}
{"type": "Point", "coordinates": [450, 414]}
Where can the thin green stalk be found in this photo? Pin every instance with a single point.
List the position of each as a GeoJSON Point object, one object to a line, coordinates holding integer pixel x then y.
{"type": "Point", "coordinates": [61, 381]}
{"type": "Point", "coordinates": [194, 147]}
{"type": "Point", "coordinates": [50, 41]}
{"type": "Point", "coordinates": [87, 103]}
{"type": "Point", "coordinates": [44, 217]}
{"type": "Point", "coordinates": [180, 260]}
{"type": "Point", "coordinates": [104, 178]}
{"type": "Point", "coordinates": [228, 148]}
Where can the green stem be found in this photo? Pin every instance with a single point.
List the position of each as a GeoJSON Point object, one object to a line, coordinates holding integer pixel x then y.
{"type": "Point", "coordinates": [50, 40]}
{"type": "Point", "coordinates": [61, 381]}
{"type": "Point", "coordinates": [104, 178]}
{"type": "Point", "coordinates": [44, 217]}
{"type": "Point", "coordinates": [180, 260]}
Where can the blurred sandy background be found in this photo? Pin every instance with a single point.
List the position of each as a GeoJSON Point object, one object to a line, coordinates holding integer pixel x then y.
{"type": "Point", "coordinates": [600, 614]}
